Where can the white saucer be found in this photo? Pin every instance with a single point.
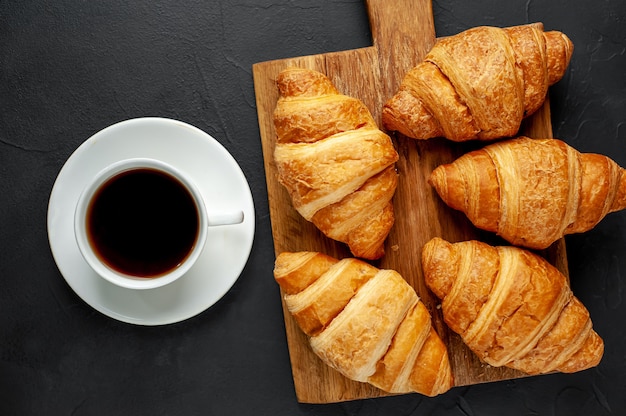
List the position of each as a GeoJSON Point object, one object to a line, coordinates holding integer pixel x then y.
{"type": "Point", "coordinates": [223, 187]}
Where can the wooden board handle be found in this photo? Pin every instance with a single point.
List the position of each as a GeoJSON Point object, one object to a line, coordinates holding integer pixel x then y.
{"type": "Point", "coordinates": [403, 32]}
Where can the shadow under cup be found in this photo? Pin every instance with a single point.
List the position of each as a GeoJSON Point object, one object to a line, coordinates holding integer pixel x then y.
{"type": "Point", "coordinates": [141, 223]}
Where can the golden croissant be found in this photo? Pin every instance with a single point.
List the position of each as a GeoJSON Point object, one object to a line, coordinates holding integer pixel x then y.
{"type": "Point", "coordinates": [479, 84]}
{"type": "Point", "coordinates": [532, 192]}
{"type": "Point", "coordinates": [366, 323]}
{"type": "Point", "coordinates": [337, 166]}
{"type": "Point", "coordinates": [511, 307]}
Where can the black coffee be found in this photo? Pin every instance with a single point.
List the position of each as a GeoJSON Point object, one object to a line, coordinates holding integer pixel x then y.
{"type": "Point", "coordinates": [142, 222]}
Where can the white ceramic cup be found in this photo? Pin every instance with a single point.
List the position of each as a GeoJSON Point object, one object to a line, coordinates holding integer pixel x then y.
{"type": "Point", "coordinates": [123, 279]}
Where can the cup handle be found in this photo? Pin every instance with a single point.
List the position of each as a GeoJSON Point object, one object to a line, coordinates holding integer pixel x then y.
{"type": "Point", "coordinates": [226, 218]}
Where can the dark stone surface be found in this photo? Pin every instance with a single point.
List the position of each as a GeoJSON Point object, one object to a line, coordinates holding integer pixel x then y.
{"type": "Point", "coordinates": [71, 68]}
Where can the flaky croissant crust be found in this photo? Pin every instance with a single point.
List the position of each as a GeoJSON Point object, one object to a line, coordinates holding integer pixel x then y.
{"type": "Point", "coordinates": [511, 307]}
{"type": "Point", "coordinates": [366, 323]}
{"type": "Point", "coordinates": [532, 192]}
{"type": "Point", "coordinates": [479, 84]}
{"type": "Point", "coordinates": [337, 166]}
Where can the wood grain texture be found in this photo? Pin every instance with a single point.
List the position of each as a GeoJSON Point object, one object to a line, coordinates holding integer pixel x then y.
{"type": "Point", "coordinates": [403, 32]}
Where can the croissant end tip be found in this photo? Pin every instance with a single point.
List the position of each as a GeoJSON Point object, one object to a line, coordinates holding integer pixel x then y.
{"type": "Point", "coordinates": [559, 50]}
{"type": "Point", "coordinates": [619, 203]}
{"type": "Point", "coordinates": [449, 184]}
{"type": "Point", "coordinates": [302, 82]}
{"type": "Point", "coordinates": [438, 264]}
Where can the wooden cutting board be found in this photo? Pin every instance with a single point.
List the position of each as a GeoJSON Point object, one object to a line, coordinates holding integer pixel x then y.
{"type": "Point", "coordinates": [403, 32]}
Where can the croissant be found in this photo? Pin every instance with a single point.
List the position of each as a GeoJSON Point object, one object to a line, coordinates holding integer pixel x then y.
{"type": "Point", "coordinates": [337, 166]}
{"type": "Point", "coordinates": [479, 84]}
{"type": "Point", "coordinates": [366, 323]}
{"type": "Point", "coordinates": [511, 307]}
{"type": "Point", "coordinates": [532, 192]}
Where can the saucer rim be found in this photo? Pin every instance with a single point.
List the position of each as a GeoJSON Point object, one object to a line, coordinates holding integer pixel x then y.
{"type": "Point", "coordinates": [61, 200]}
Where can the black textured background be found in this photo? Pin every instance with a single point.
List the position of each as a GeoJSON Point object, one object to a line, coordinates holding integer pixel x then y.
{"type": "Point", "coordinates": [69, 68]}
